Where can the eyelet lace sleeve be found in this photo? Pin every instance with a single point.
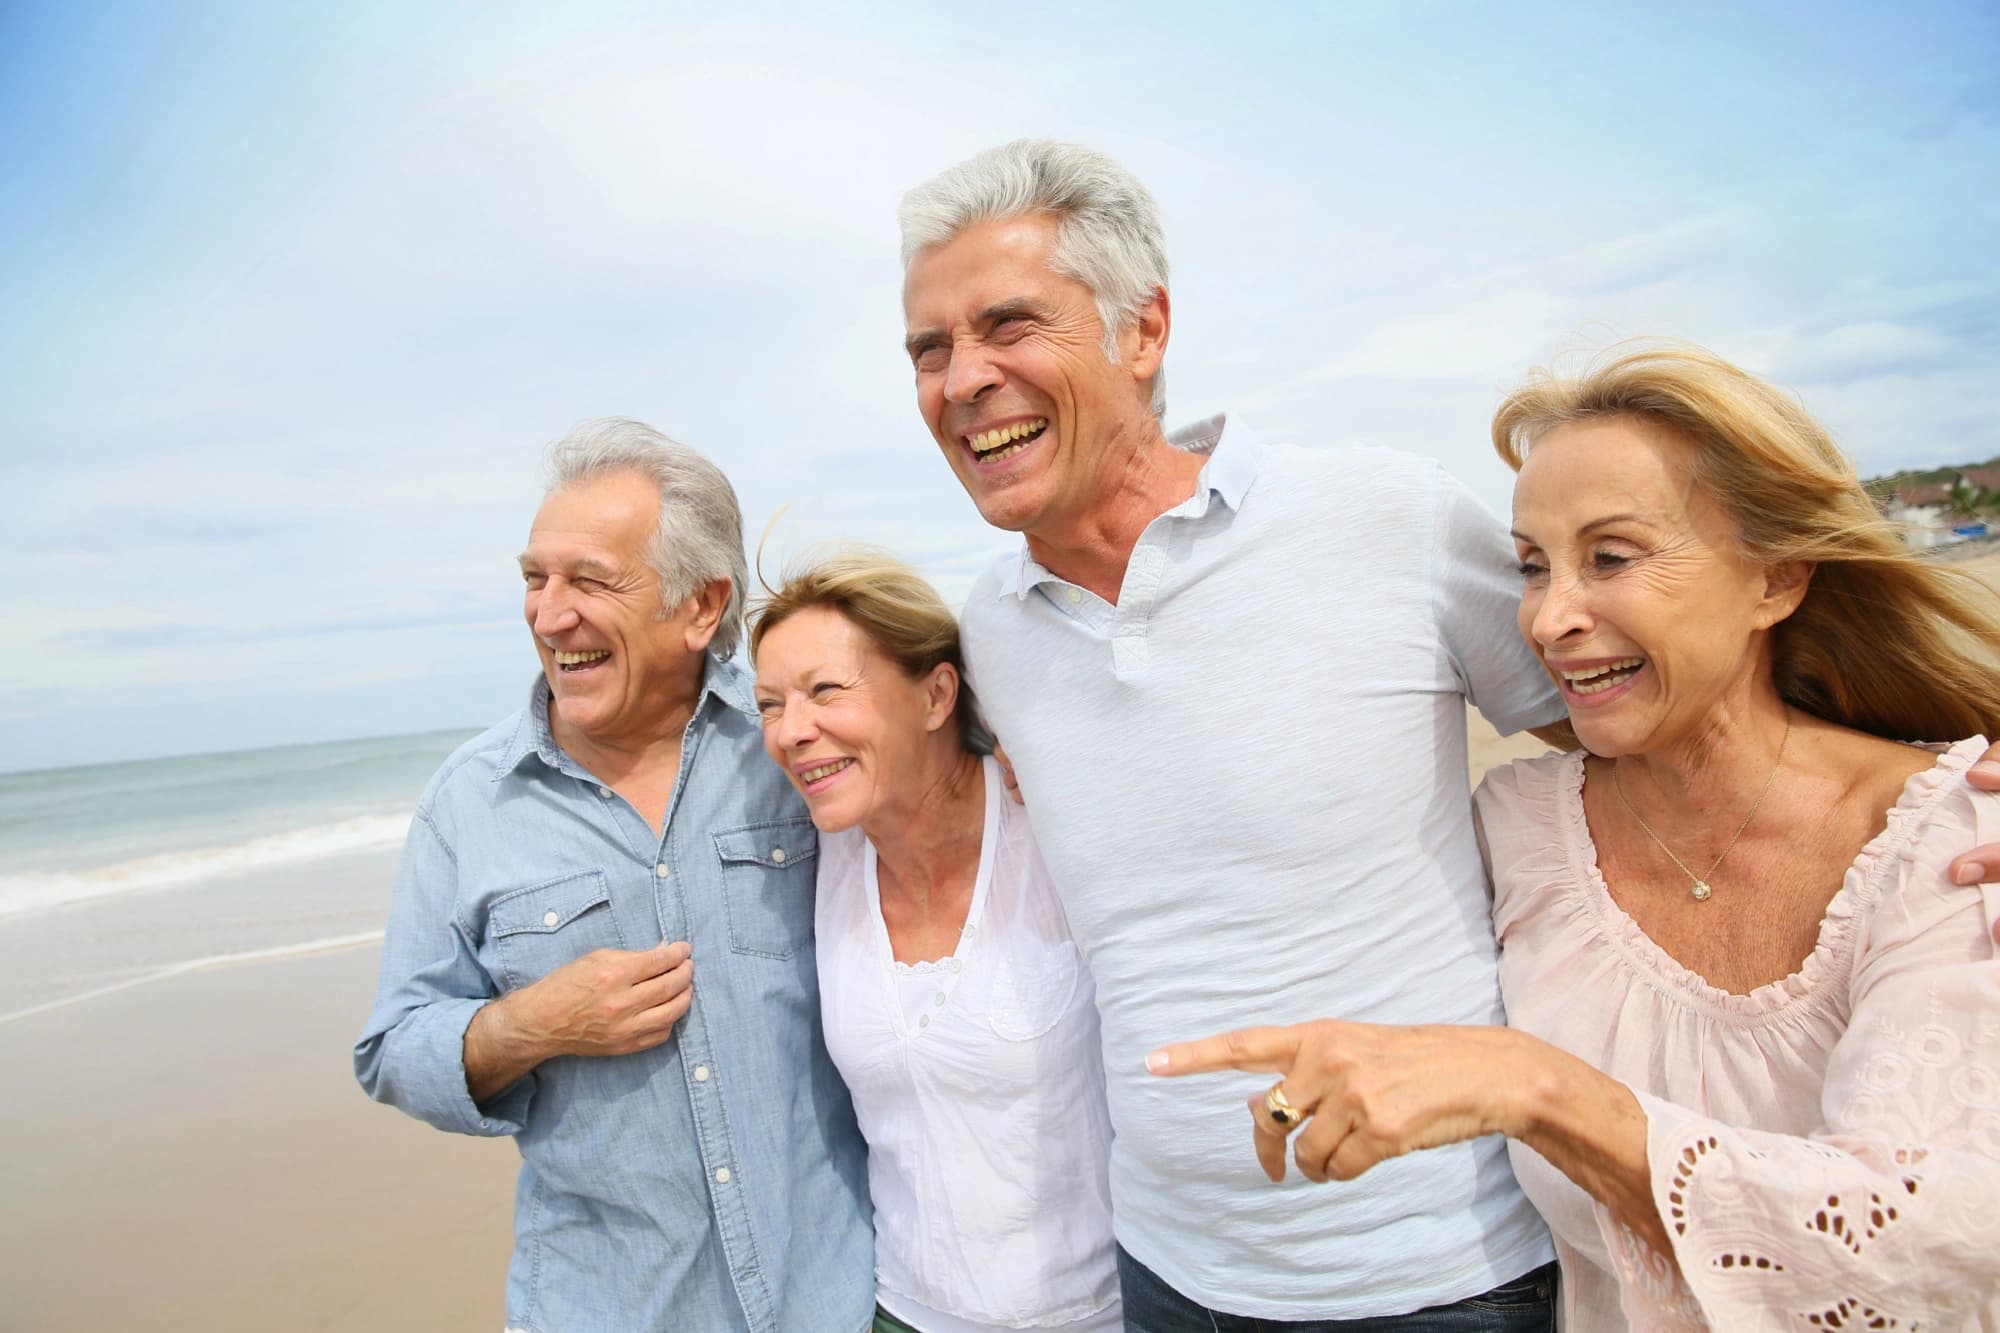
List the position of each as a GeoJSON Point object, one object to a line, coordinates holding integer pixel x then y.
{"type": "Point", "coordinates": [1888, 1216]}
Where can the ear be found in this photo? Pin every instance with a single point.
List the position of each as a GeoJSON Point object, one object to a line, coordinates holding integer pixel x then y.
{"type": "Point", "coordinates": [1785, 586]}
{"type": "Point", "coordinates": [940, 695]}
{"type": "Point", "coordinates": [1143, 345]}
{"type": "Point", "coordinates": [705, 607]}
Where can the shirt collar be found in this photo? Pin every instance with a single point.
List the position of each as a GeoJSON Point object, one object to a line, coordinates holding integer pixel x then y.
{"type": "Point", "coordinates": [1227, 475]}
{"type": "Point", "coordinates": [724, 681]}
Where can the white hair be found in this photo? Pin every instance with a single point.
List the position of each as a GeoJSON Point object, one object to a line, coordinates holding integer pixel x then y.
{"type": "Point", "coordinates": [700, 534]}
{"type": "Point", "coordinates": [1108, 232]}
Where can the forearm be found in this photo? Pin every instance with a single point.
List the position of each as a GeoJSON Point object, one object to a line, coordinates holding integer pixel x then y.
{"type": "Point", "coordinates": [1592, 1129]}
{"type": "Point", "coordinates": [499, 1049]}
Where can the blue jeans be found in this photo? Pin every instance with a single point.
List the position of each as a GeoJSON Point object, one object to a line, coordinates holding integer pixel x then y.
{"type": "Point", "coordinates": [1525, 1305]}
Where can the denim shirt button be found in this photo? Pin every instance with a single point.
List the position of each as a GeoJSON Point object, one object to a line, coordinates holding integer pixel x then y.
{"type": "Point", "coordinates": [550, 918]}
{"type": "Point", "coordinates": [778, 855]}
{"type": "Point", "coordinates": [604, 792]}
{"type": "Point", "coordinates": [722, 1175]}
{"type": "Point", "coordinates": [660, 870]}
{"type": "Point", "coordinates": [701, 1073]}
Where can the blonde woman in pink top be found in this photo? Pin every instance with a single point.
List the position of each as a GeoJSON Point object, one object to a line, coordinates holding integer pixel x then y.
{"type": "Point", "coordinates": [1752, 1077]}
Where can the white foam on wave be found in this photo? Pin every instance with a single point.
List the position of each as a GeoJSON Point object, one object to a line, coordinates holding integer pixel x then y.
{"type": "Point", "coordinates": [331, 944]}
{"type": "Point", "coordinates": [36, 892]}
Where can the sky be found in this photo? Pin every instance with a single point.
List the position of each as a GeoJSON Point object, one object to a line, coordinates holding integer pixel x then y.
{"type": "Point", "coordinates": [292, 298]}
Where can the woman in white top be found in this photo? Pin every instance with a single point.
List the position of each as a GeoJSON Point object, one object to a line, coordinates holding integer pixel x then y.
{"type": "Point", "coordinates": [955, 1004]}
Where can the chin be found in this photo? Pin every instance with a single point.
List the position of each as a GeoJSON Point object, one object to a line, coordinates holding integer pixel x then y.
{"type": "Point", "coordinates": [830, 821]}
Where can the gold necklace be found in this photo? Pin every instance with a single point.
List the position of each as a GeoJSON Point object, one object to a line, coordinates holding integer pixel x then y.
{"type": "Point", "coordinates": [1699, 887]}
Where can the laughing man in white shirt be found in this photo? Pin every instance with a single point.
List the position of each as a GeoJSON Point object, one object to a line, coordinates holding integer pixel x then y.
{"type": "Point", "coordinates": [1232, 681]}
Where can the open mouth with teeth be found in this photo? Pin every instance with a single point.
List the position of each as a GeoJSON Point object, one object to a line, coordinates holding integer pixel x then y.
{"type": "Point", "coordinates": [1604, 677]}
{"type": "Point", "coordinates": [571, 663]}
{"type": "Point", "coordinates": [815, 778]}
{"type": "Point", "coordinates": [1003, 442]}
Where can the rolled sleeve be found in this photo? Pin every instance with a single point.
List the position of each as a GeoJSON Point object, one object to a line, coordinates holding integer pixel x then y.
{"type": "Point", "coordinates": [411, 1055]}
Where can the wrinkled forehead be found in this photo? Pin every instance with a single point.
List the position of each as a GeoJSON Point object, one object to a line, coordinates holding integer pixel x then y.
{"type": "Point", "coordinates": [601, 526]}
{"type": "Point", "coordinates": [983, 264]}
{"type": "Point", "coordinates": [812, 641]}
{"type": "Point", "coordinates": [1581, 472]}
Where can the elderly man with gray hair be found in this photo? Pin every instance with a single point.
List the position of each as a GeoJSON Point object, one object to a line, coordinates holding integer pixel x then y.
{"type": "Point", "coordinates": [1232, 680]}
{"type": "Point", "coordinates": [689, 1156]}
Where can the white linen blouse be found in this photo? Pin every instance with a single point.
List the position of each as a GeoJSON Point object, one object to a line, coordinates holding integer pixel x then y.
{"type": "Point", "coordinates": [1825, 1150]}
{"type": "Point", "coordinates": [978, 1081]}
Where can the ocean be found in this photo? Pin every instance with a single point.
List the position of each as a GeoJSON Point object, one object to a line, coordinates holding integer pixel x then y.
{"type": "Point", "coordinates": [117, 874]}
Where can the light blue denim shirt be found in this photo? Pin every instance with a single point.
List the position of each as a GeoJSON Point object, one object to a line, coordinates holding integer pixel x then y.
{"type": "Point", "coordinates": [715, 1182]}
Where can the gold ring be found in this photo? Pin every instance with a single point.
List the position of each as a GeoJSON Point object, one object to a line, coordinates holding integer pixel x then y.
{"type": "Point", "coordinates": [1279, 1107]}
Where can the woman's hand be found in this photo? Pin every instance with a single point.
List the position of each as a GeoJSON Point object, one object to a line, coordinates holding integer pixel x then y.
{"type": "Point", "coordinates": [1369, 1092]}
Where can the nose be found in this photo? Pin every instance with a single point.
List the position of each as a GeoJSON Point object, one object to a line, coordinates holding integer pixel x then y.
{"type": "Point", "coordinates": [550, 610]}
{"type": "Point", "coordinates": [795, 726]}
{"type": "Point", "coordinates": [1564, 610]}
{"type": "Point", "coordinates": [972, 372]}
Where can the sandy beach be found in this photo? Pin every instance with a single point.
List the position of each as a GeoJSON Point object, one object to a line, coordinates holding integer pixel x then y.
{"type": "Point", "coordinates": [192, 1152]}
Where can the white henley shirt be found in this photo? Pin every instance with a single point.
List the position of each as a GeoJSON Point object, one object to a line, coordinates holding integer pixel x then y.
{"type": "Point", "coordinates": [1248, 780]}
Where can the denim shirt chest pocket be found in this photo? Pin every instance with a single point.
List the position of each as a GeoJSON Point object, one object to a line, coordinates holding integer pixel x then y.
{"type": "Point", "coordinates": [532, 931]}
{"type": "Point", "coordinates": [767, 885]}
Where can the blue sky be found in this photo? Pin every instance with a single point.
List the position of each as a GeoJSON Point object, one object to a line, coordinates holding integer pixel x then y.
{"type": "Point", "coordinates": [293, 298]}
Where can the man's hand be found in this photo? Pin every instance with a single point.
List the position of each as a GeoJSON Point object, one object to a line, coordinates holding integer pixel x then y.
{"type": "Point", "coordinates": [608, 1002]}
{"type": "Point", "coordinates": [1981, 865]}
{"type": "Point", "coordinates": [1007, 774]}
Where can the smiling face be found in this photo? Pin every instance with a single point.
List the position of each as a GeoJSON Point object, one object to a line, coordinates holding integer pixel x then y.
{"type": "Point", "coordinates": [615, 663]}
{"type": "Point", "coordinates": [847, 725]}
{"type": "Point", "coordinates": [1635, 592]}
{"type": "Point", "coordinates": [1012, 378]}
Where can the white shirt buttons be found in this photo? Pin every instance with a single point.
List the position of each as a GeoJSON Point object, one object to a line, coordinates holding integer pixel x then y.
{"type": "Point", "coordinates": [923, 1020]}
{"type": "Point", "coordinates": [956, 966]}
{"type": "Point", "coordinates": [701, 1073]}
{"type": "Point", "coordinates": [778, 855]}
{"type": "Point", "coordinates": [660, 870]}
{"type": "Point", "coordinates": [1075, 596]}
{"type": "Point", "coordinates": [939, 998]}
{"type": "Point", "coordinates": [604, 792]}
{"type": "Point", "coordinates": [550, 918]}
{"type": "Point", "coordinates": [722, 1175]}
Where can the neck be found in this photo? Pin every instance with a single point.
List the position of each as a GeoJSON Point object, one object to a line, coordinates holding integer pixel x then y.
{"type": "Point", "coordinates": [614, 756]}
{"type": "Point", "coordinates": [1720, 766]}
{"type": "Point", "coordinates": [930, 839]}
{"type": "Point", "coordinates": [1143, 477]}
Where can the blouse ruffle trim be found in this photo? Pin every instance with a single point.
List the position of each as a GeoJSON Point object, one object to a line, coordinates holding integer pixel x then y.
{"type": "Point", "coordinates": [1860, 888]}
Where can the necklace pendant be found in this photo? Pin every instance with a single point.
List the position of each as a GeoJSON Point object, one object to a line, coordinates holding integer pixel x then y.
{"type": "Point", "coordinates": [1700, 890]}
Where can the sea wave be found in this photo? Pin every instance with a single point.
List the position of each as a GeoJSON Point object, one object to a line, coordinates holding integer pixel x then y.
{"type": "Point", "coordinates": [36, 892]}
{"type": "Point", "coordinates": [303, 948]}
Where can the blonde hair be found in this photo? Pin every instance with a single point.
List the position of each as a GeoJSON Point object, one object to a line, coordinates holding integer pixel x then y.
{"type": "Point", "coordinates": [1884, 641]}
{"type": "Point", "coordinates": [891, 603]}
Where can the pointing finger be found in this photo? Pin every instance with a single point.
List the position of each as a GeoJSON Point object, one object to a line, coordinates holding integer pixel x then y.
{"type": "Point", "coordinates": [1259, 1050]}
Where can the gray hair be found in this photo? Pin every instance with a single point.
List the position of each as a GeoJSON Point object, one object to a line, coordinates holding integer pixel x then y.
{"type": "Point", "coordinates": [700, 534]}
{"type": "Point", "coordinates": [1108, 232]}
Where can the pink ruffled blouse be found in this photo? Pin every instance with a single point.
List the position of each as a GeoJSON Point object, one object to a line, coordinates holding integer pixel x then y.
{"type": "Point", "coordinates": [1825, 1150]}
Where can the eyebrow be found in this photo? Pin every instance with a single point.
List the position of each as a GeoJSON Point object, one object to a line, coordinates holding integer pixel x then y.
{"type": "Point", "coordinates": [1591, 526]}
{"type": "Point", "coordinates": [1020, 308]}
{"type": "Point", "coordinates": [588, 566]}
{"type": "Point", "coordinates": [1014, 309]}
